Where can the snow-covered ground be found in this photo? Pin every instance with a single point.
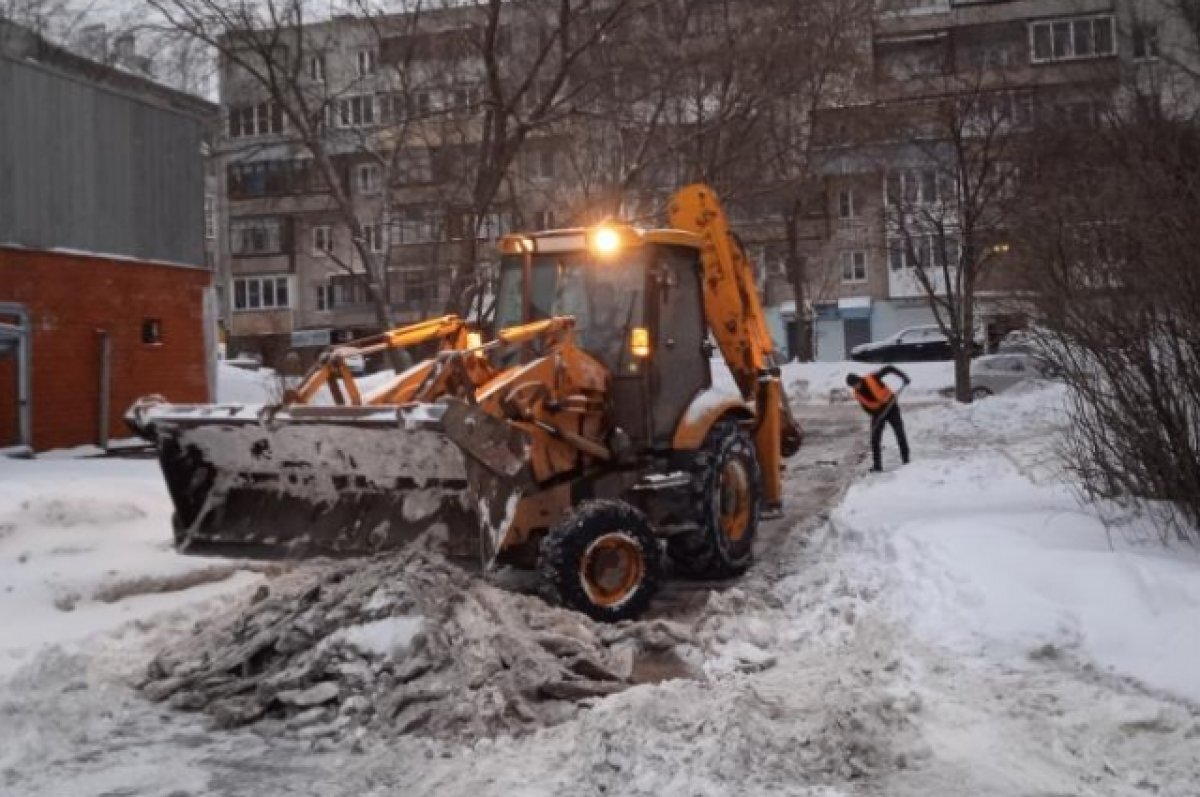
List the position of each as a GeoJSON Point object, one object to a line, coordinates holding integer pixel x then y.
{"type": "Point", "coordinates": [961, 625]}
{"type": "Point", "coordinates": [85, 548]}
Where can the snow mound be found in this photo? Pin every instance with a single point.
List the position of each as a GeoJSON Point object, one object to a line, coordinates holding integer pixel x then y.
{"type": "Point", "coordinates": [407, 644]}
{"type": "Point", "coordinates": [240, 386]}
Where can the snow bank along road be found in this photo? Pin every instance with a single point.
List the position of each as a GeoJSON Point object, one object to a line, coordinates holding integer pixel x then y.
{"type": "Point", "coordinates": [958, 626]}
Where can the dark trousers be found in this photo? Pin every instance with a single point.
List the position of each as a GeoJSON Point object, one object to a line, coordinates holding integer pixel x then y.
{"type": "Point", "coordinates": [889, 416]}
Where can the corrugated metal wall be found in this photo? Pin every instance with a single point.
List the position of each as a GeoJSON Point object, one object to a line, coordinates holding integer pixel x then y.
{"type": "Point", "coordinates": [83, 167]}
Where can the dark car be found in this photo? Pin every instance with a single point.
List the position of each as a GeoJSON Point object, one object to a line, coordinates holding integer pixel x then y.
{"type": "Point", "coordinates": [915, 344]}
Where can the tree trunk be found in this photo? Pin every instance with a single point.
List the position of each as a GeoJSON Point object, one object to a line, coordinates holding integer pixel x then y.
{"type": "Point", "coordinates": [801, 344]}
{"type": "Point", "coordinates": [962, 372]}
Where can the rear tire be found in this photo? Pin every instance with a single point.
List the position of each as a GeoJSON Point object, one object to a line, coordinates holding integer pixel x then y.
{"type": "Point", "coordinates": [602, 559]}
{"type": "Point", "coordinates": [728, 486]}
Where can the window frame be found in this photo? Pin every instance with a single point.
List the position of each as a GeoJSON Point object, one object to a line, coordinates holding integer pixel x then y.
{"type": "Point", "coordinates": [847, 204]}
{"type": "Point", "coordinates": [1058, 27]}
{"type": "Point", "coordinates": [1139, 40]}
{"type": "Point", "coordinates": [854, 267]}
{"type": "Point", "coordinates": [372, 185]}
{"type": "Point", "coordinates": [324, 231]}
{"type": "Point", "coordinates": [250, 292]}
{"type": "Point", "coordinates": [366, 62]}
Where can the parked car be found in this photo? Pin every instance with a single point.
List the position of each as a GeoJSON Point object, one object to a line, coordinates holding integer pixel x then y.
{"type": "Point", "coordinates": [914, 344]}
{"type": "Point", "coordinates": [996, 373]}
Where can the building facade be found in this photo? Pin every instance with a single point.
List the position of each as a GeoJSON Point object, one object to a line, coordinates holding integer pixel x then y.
{"type": "Point", "coordinates": [1010, 66]}
{"type": "Point", "coordinates": [104, 294]}
{"type": "Point", "coordinates": [403, 110]}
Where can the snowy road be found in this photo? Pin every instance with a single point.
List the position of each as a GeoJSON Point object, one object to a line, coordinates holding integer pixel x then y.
{"type": "Point", "coordinates": [959, 626]}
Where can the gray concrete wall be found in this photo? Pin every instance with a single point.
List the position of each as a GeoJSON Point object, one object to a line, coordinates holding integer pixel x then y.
{"type": "Point", "coordinates": [97, 169]}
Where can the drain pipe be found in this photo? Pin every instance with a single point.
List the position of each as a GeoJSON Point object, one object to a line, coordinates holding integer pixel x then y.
{"type": "Point", "coordinates": [105, 379]}
{"type": "Point", "coordinates": [24, 331]}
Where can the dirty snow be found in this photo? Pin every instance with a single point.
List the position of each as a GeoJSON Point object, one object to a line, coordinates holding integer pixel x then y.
{"type": "Point", "coordinates": [961, 625]}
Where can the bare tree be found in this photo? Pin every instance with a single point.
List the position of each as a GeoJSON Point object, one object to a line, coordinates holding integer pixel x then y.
{"type": "Point", "coordinates": [1107, 237]}
{"type": "Point", "coordinates": [947, 218]}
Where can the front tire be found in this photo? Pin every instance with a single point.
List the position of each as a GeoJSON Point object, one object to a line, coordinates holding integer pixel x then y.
{"type": "Point", "coordinates": [602, 559]}
{"type": "Point", "coordinates": [728, 492]}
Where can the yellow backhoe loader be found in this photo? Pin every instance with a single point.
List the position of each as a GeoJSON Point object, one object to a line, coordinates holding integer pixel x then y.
{"type": "Point", "coordinates": [595, 444]}
{"type": "Point", "coordinates": [612, 444]}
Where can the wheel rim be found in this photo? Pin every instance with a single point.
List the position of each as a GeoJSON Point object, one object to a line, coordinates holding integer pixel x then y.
{"type": "Point", "coordinates": [734, 496]}
{"type": "Point", "coordinates": [611, 569]}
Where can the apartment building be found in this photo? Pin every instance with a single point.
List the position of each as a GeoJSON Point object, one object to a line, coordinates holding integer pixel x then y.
{"type": "Point", "coordinates": [1015, 63]}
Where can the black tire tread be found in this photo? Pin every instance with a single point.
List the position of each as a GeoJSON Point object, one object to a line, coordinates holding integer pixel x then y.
{"type": "Point", "coordinates": [564, 546]}
{"type": "Point", "coordinates": [700, 554]}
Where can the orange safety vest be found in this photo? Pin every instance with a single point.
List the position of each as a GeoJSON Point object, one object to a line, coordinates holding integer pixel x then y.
{"type": "Point", "coordinates": [879, 396]}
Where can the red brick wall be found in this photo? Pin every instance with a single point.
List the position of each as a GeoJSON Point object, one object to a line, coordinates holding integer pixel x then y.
{"type": "Point", "coordinates": [69, 299]}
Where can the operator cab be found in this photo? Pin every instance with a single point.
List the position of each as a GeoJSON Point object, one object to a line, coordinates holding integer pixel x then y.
{"type": "Point", "coordinates": [638, 309]}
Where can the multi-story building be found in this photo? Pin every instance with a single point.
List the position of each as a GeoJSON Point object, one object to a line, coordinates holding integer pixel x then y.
{"type": "Point", "coordinates": [402, 109]}
{"type": "Point", "coordinates": [1011, 64]}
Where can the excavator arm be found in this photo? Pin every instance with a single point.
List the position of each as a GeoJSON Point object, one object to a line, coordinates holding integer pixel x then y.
{"type": "Point", "coordinates": [735, 317]}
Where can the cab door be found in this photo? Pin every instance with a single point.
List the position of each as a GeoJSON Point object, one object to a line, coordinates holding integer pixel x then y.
{"type": "Point", "coordinates": [680, 362]}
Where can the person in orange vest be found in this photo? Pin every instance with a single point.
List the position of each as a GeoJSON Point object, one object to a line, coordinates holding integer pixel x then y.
{"type": "Point", "coordinates": [880, 403]}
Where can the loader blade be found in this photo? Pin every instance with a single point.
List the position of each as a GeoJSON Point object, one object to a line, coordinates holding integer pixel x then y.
{"type": "Point", "coordinates": [496, 458]}
{"type": "Point", "coordinates": [307, 480]}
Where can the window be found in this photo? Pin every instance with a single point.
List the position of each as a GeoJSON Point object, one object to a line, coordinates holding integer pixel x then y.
{"type": "Point", "coordinates": [854, 266]}
{"type": "Point", "coordinates": [348, 290]}
{"type": "Point", "coordinates": [273, 178]}
{"type": "Point", "coordinates": [366, 62]}
{"type": "Point", "coordinates": [542, 220]}
{"type": "Point", "coordinates": [316, 68]}
{"type": "Point", "coordinates": [465, 98]}
{"type": "Point", "coordinates": [375, 234]}
{"type": "Point", "coordinates": [1145, 41]}
{"type": "Point", "coordinates": [912, 187]}
{"type": "Point", "coordinates": [210, 216]}
{"type": "Point", "coordinates": [1007, 108]}
{"type": "Point", "coordinates": [256, 236]}
{"type": "Point", "coordinates": [152, 331]}
{"type": "Point", "coordinates": [355, 111]}
{"type": "Point", "coordinates": [415, 226]}
{"type": "Point", "coordinates": [1069, 39]}
{"type": "Point", "coordinates": [324, 297]}
{"type": "Point", "coordinates": [540, 165]}
{"type": "Point", "coordinates": [847, 206]}
{"type": "Point", "coordinates": [255, 120]}
{"type": "Point", "coordinates": [922, 250]}
{"type": "Point", "coordinates": [322, 240]}
{"type": "Point", "coordinates": [260, 293]}
{"type": "Point", "coordinates": [368, 177]}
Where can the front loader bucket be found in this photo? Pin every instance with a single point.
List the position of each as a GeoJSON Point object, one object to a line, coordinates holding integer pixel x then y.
{"type": "Point", "coordinates": [497, 460]}
{"type": "Point", "coordinates": [305, 480]}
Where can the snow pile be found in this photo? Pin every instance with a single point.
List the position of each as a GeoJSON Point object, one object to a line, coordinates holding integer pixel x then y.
{"type": "Point", "coordinates": [85, 547]}
{"type": "Point", "coordinates": [404, 644]}
{"type": "Point", "coordinates": [240, 386]}
{"type": "Point", "coordinates": [994, 552]}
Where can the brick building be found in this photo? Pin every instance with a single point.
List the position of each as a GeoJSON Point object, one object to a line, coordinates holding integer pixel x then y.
{"type": "Point", "coordinates": [104, 294]}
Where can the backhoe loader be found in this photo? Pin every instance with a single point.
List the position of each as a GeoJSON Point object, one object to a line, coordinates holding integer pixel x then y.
{"type": "Point", "coordinates": [597, 447]}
